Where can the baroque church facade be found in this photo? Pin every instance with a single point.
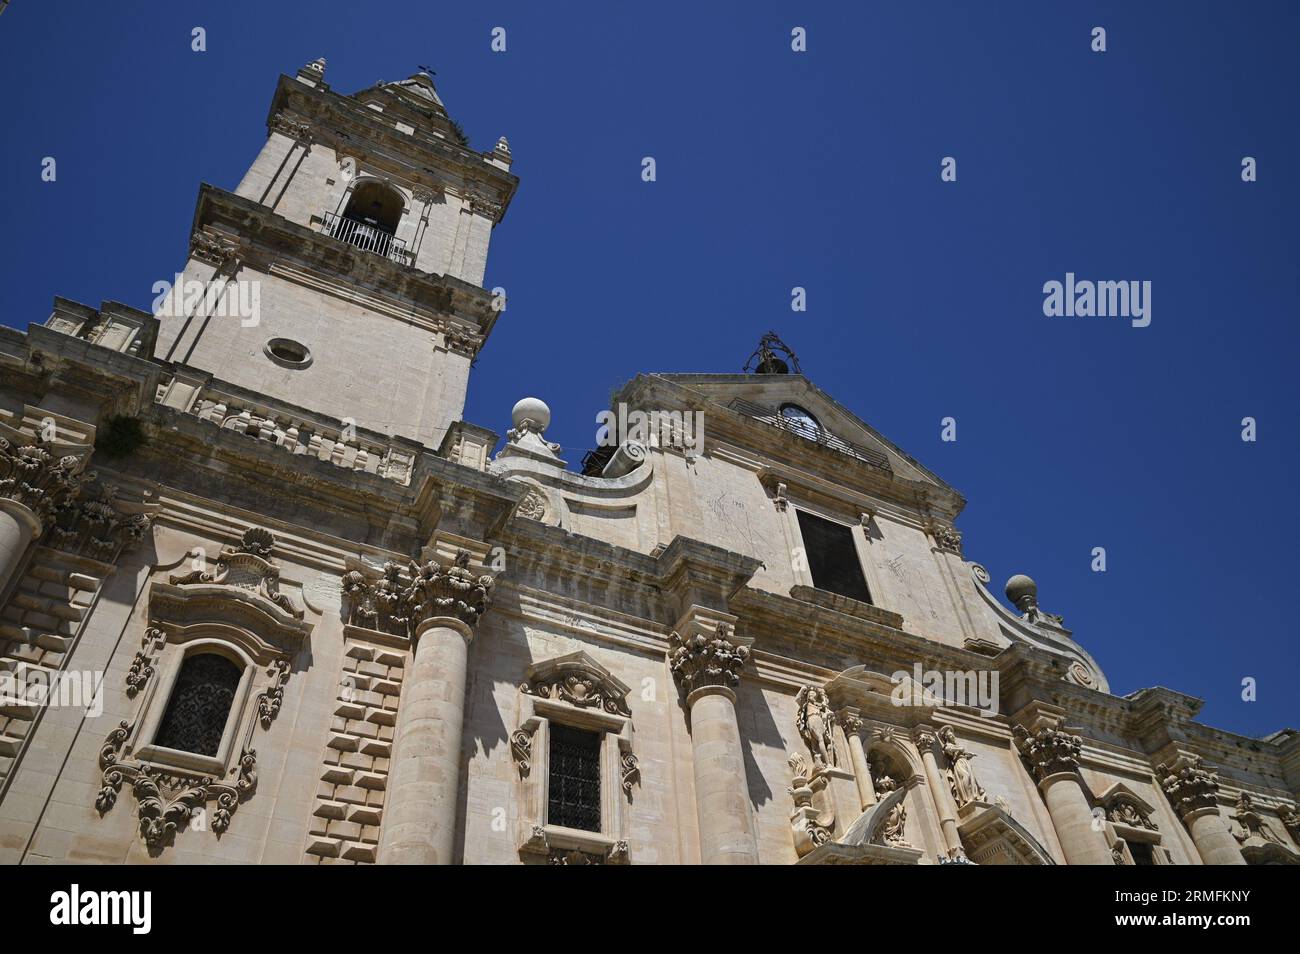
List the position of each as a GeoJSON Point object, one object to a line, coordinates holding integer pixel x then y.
{"type": "Point", "coordinates": [266, 598]}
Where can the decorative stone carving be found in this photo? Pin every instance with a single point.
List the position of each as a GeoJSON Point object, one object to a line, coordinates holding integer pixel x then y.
{"type": "Point", "coordinates": [89, 523]}
{"type": "Point", "coordinates": [480, 203]}
{"type": "Point", "coordinates": [166, 801]}
{"type": "Point", "coordinates": [961, 777]}
{"type": "Point", "coordinates": [779, 498]}
{"type": "Point", "coordinates": [269, 702]}
{"type": "Point", "coordinates": [1191, 787]}
{"type": "Point", "coordinates": [247, 566]}
{"type": "Point", "coordinates": [814, 720]}
{"type": "Point", "coordinates": [538, 846]}
{"type": "Point", "coordinates": [1048, 751]}
{"type": "Point", "coordinates": [702, 660]}
{"type": "Point", "coordinates": [212, 249]}
{"type": "Point", "coordinates": [946, 537]}
{"type": "Point", "coordinates": [533, 506]}
{"type": "Point", "coordinates": [34, 477]}
{"type": "Point", "coordinates": [1023, 593]}
{"type": "Point", "coordinates": [1125, 811]}
{"type": "Point", "coordinates": [298, 131]}
{"type": "Point", "coordinates": [521, 749]}
{"type": "Point", "coordinates": [142, 666]}
{"type": "Point", "coordinates": [629, 771]}
{"type": "Point", "coordinates": [398, 605]}
{"type": "Point", "coordinates": [894, 827]}
{"type": "Point", "coordinates": [1291, 819]}
{"type": "Point", "coordinates": [579, 686]}
{"type": "Point", "coordinates": [810, 825]}
{"type": "Point", "coordinates": [1251, 827]}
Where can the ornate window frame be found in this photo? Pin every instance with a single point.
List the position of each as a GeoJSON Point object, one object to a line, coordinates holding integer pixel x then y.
{"type": "Point", "coordinates": [574, 690]}
{"type": "Point", "coordinates": [236, 612]}
{"type": "Point", "coordinates": [1118, 802]}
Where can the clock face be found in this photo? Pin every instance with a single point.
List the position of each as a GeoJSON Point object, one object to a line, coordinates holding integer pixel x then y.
{"type": "Point", "coordinates": [801, 421]}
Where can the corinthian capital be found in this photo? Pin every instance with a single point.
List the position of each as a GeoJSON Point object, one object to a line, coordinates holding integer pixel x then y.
{"type": "Point", "coordinates": [453, 591]}
{"type": "Point", "coordinates": [36, 478]}
{"type": "Point", "coordinates": [1189, 785]}
{"type": "Point", "coordinates": [705, 660]}
{"type": "Point", "coordinates": [1049, 751]}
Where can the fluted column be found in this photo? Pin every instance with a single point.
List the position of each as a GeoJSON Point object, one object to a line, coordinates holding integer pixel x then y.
{"type": "Point", "coordinates": [423, 789]}
{"type": "Point", "coordinates": [1053, 757]}
{"type": "Point", "coordinates": [924, 738]}
{"type": "Point", "coordinates": [707, 667]}
{"type": "Point", "coordinates": [1193, 790]}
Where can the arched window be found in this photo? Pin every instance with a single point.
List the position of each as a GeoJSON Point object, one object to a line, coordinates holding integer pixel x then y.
{"type": "Point", "coordinates": [199, 708]}
{"type": "Point", "coordinates": [370, 219]}
{"type": "Point", "coordinates": [801, 421]}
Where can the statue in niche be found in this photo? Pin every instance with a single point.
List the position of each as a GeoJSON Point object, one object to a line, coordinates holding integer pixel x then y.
{"type": "Point", "coordinates": [961, 777]}
{"type": "Point", "coordinates": [892, 829]}
{"type": "Point", "coordinates": [814, 722]}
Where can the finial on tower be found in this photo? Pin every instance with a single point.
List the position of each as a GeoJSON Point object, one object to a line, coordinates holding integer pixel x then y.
{"type": "Point", "coordinates": [765, 361]}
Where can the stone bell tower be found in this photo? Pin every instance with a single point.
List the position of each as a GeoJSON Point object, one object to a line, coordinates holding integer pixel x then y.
{"type": "Point", "coordinates": [344, 274]}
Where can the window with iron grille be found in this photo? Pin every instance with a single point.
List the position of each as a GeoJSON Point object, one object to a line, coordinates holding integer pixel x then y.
{"type": "Point", "coordinates": [574, 797]}
{"type": "Point", "coordinates": [832, 557]}
{"type": "Point", "coordinates": [200, 704]}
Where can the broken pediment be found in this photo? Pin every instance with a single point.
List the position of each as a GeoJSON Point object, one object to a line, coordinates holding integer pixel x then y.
{"type": "Point", "coordinates": [579, 680]}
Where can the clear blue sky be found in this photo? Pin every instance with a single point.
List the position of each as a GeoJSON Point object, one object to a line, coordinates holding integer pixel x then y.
{"type": "Point", "coordinates": [822, 170]}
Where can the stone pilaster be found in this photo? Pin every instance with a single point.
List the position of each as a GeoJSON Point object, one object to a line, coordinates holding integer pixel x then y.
{"type": "Point", "coordinates": [1193, 790]}
{"type": "Point", "coordinates": [1053, 758]}
{"type": "Point", "coordinates": [443, 605]}
{"type": "Point", "coordinates": [706, 662]}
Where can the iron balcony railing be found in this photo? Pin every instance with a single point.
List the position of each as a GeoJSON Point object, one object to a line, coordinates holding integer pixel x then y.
{"type": "Point", "coordinates": [366, 236]}
{"type": "Point", "coordinates": [818, 435]}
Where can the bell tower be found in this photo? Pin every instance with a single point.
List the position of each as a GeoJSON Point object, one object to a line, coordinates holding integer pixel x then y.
{"type": "Point", "coordinates": [344, 274]}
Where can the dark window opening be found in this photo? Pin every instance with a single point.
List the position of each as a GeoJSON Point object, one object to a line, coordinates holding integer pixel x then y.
{"type": "Point", "coordinates": [196, 716]}
{"type": "Point", "coordinates": [1143, 852]}
{"type": "Point", "coordinates": [574, 797]}
{"type": "Point", "coordinates": [832, 557]}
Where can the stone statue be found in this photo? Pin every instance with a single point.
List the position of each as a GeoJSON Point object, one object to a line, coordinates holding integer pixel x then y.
{"type": "Point", "coordinates": [892, 829]}
{"type": "Point", "coordinates": [961, 777]}
{"type": "Point", "coordinates": [814, 722]}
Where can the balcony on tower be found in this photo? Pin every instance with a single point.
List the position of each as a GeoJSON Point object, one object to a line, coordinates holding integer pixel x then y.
{"type": "Point", "coordinates": [370, 221]}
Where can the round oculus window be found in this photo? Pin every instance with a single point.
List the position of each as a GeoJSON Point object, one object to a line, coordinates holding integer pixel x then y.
{"type": "Point", "coordinates": [288, 353]}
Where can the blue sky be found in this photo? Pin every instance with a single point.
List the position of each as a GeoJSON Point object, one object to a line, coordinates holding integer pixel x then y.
{"type": "Point", "coordinates": [821, 170]}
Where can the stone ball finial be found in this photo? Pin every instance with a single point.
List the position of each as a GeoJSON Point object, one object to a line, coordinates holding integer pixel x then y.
{"type": "Point", "coordinates": [317, 65]}
{"type": "Point", "coordinates": [1020, 587]}
{"type": "Point", "coordinates": [503, 145]}
{"type": "Point", "coordinates": [532, 410]}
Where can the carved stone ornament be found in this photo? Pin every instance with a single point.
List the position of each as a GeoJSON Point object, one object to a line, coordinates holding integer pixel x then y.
{"type": "Point", "coordinates": [92, 523]}
{"type": "Point", "coordinates": [1125, 811]}
{"type": "Point", "coordinates": [168, 801]}
{"type": "Point", "coordinates": [521, 749]}
{"type": "Point", "coordinates": [964, 785]}
{"type": "Point", "coordinates": [574, 680]}
{"type": "Point", "coordinates": [142, 665]}
{"type": "Point", "coordinates": [1251, 827]}
{"type": "Point", "coordinates": [538, 846]}
{"type": "Point", "coordinates": [814, 721]}
{"type": "Point", "coordinates": [398, 603]}
{"type": "Point", "coordinates": [812, 819]}
{"type": "Point", "coordinates": [269, 702]}
{"type": "Point", "coordinates": [894, 828]}
{"type": "Point", "coordinates": [702, 660]}
{"type": "Point", "coordinates": [1291, 819]}
{"type": "Point", "coordinates": [33, 476]}
{"type": "Point", "coordinates": [1190, 787]}
{"type": "Point", "coordinates": [946, 537]}
{"type": "Point", "coordinates": [533, 506]}
{"type": "Point", "coordinates": [1048, 751]}
{"type": "Point", "coordinates": [212, 249]}
{"type": "Point", "coordinates": [293, 128]}
{"type": "Point", "coordinates": [247, 566]}
{"type": "Point", "coordinates": [629, 772]}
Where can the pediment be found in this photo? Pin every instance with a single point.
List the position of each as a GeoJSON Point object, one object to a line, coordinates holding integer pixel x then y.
{"type": "Point", "coordinates": [579, 680]}
{"type": "Point", "coordinates": [762, 396]}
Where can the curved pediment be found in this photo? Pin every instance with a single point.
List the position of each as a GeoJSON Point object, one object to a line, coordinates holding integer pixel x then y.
{"type": "Point", "coordinates": [580, 681]}
{"type": "Point", "coordinates": [217, 603]}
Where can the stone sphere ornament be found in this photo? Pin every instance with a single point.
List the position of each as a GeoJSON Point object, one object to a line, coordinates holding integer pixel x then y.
{"type": "Point", "coordinates": [533, 411]}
